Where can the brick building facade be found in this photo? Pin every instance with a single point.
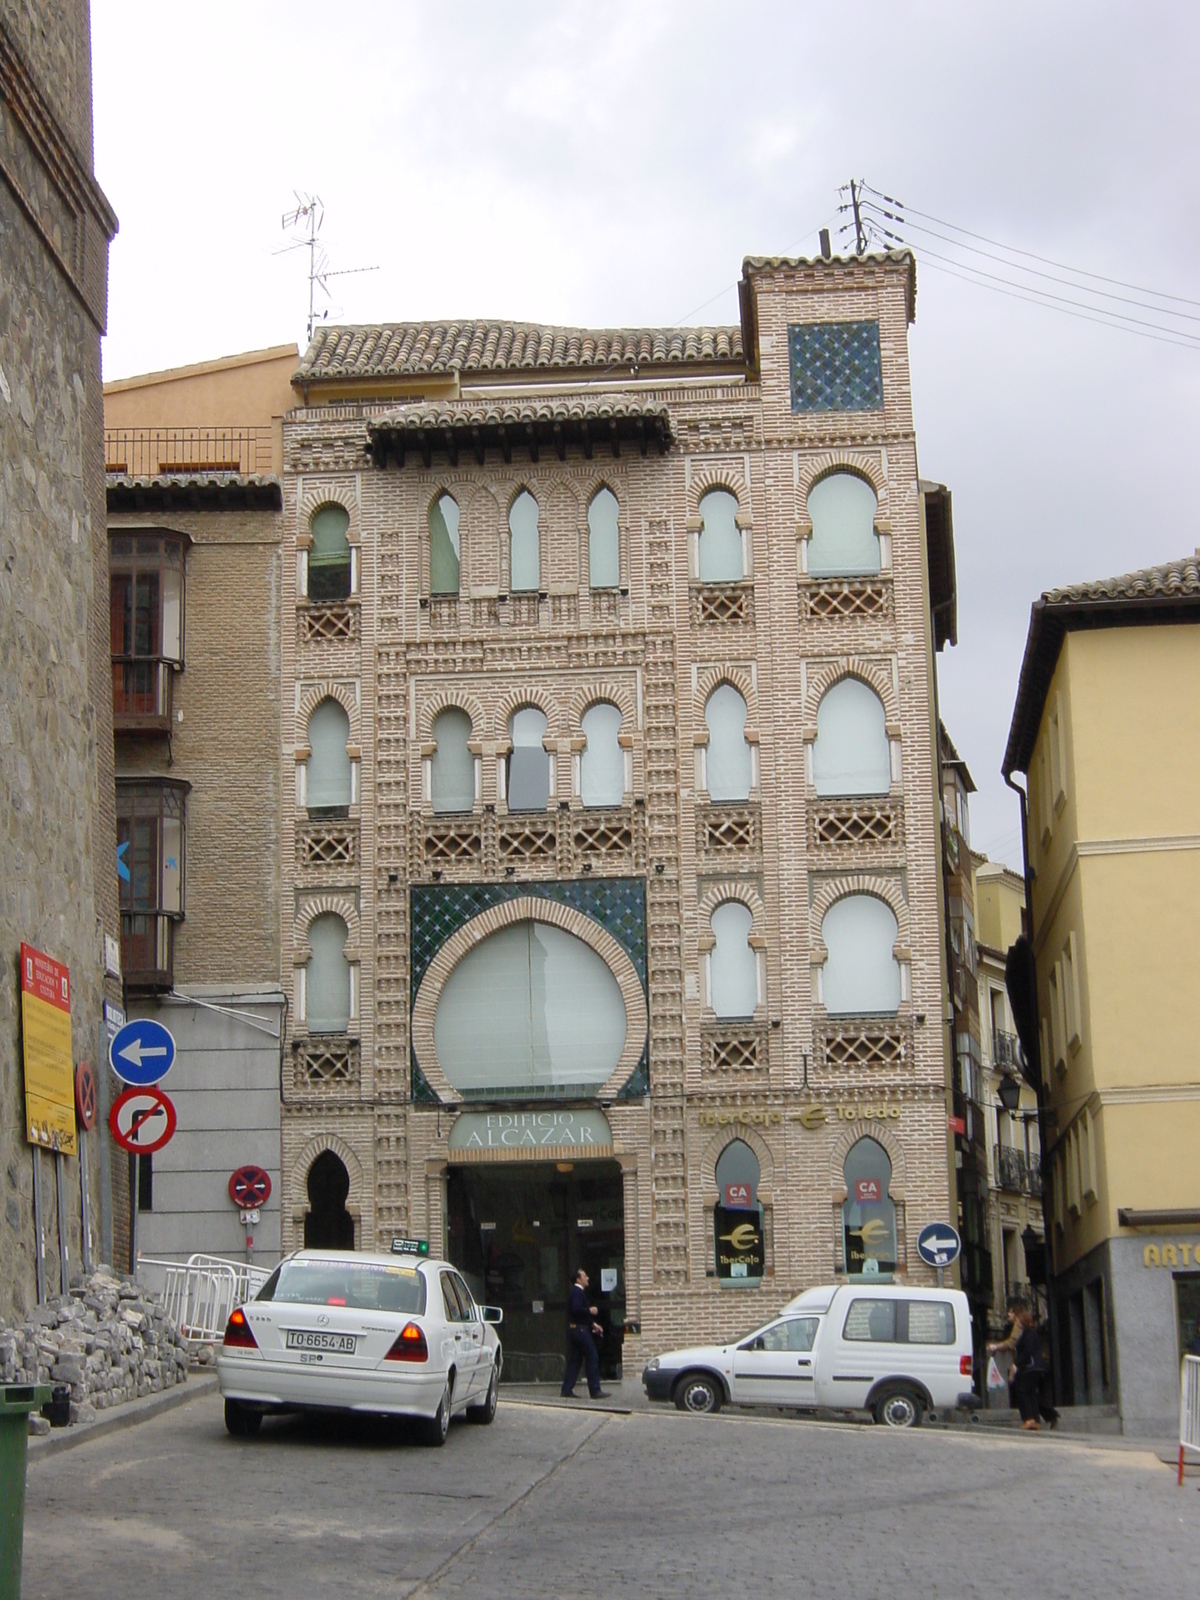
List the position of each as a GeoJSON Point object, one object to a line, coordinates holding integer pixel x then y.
{"type": "Point", "coordinates": [56, 771]}
{"type": "Point", "coordinates": [765, 905]}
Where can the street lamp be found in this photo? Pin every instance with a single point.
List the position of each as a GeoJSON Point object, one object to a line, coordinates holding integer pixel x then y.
{"type": "Point", "coordinates": [1010, 1092]}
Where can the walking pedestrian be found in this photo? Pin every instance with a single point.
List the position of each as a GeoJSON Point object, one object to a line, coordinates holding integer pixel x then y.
{"type": "Point", "coordinates": [1028, 1369]}
{"type": "Point", "coordinates": [581, 1325]}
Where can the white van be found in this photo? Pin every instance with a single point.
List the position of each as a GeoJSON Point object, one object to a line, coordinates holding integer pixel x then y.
{"type": "Point", "coordinates": [887, 1348]}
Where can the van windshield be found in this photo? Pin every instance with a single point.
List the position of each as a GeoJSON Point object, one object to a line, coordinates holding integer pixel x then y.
{"type": "Point", "coordinates": [360, 1285]}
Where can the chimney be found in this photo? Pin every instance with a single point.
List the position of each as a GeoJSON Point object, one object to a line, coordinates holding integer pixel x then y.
{"type": "Point", "coordinates": [826, 252]}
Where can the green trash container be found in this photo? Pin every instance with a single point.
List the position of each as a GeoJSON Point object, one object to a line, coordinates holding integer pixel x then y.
{"type": "Point", "coordinates": [17, 1400]}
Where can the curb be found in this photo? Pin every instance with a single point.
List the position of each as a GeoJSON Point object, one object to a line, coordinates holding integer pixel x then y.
{"type": "Point", "coordinates": [119, 1418]}
{"type": "Point", "coordinates": [562, 1404]}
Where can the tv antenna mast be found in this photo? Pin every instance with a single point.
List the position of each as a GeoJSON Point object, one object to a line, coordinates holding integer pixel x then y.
{"type": "Point", "coordinates": [307, 216]}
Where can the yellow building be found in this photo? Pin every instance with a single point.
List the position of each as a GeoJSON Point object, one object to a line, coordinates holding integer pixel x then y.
{"type": "Point", "coordinates": [1107, 730]}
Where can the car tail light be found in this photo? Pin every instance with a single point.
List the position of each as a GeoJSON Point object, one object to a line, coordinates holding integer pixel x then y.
{"type": "Point", "coordinates": [965, 1366]}
{"type": "Point", "coordinates": [238, 1333]}
{"type": "Point", "coordinates": [410, 1346]}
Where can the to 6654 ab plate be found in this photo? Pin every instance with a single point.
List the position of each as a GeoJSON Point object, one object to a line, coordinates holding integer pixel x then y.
{"type": "Point", "coordinates": [302, 1339]}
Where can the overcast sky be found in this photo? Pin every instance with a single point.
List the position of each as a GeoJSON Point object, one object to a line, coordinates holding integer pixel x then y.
{"type": "Point", "coordinates": [612, 164]}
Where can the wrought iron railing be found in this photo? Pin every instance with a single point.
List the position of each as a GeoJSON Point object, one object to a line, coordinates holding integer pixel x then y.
{"type": "Point", "coordinates": [154, 452]}
{"type": "Point", "coordinates": [1017, 1171]}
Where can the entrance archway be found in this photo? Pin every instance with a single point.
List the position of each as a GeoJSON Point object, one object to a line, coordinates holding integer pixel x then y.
{"type": "Point", "coordinates": [327, 1223]}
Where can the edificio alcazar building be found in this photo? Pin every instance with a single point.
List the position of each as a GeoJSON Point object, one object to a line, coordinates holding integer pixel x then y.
{"type": "Point", "coordinates": [613, 933]}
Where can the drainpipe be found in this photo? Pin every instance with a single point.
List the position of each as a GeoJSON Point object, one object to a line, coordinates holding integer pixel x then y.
{"type": "Point", "coordinates": [1047, 1208]}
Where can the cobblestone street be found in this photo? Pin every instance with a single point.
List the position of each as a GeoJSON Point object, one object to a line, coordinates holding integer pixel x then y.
{"type": "Point", "coordinates": [552, 1501]}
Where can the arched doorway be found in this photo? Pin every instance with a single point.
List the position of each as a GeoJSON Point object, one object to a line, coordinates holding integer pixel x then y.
{"type": "Point", "coordinates": [327, 1223]}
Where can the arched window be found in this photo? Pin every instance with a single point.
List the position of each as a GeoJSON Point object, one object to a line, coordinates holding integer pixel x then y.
{"type": "Point", "coordinates": [329, 558]}
{"type": "Point", "coordinates": [732, 963]}
{"type": "Point", "coordinates": [852, 754]}
{"type": "Point", "coordinates": [862, 976]}
{"type": "Point", "coordinates": [443, 545]}
{"type": "Point", "coordinates": [727, 761]}
{"type": "Point", "coordinates": [604, 549]}
{"type": "Point", "coordinates": [452, 785]}
{"type": "Point", "coordinates": [328, 785]}
{"type": "Point", "coordinates": [738, 1174]}
{"type": "Point", "coordinates": [844, 542]}
{"type": "Point", "coordinates": [869, 1225]}
{"type": "Point", "coordinates": [524, 548]}
{"type": "Point", "coordinates": [529, 762]}
{"type": "Point", "coordinates": [602, 765]}
{"type": "Point", "coordinates": [720, 538]}
{"type": "Point", "coordinates": [327, 990]}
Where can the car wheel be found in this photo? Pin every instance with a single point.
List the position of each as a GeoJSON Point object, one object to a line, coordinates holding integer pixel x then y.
{"type": "Point", "coordinates": [899, 1408]}
{"type": "Point", "coordinates": [434, 1429]}
{"type": "Point", "coordinates": [486, 1412]}
{"type": "Point", "coordinates": [241, 1422]}
{"type": "Point", "coordinates": [698, 1393]}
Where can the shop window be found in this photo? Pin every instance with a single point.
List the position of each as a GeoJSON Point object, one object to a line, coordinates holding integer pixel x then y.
{"type": "Point", "coordinates": [529, 762]}
{"type": "Point", "coordinates": [151, 837]}
{"type": "Point", "coordinates": [329, 562]}
{"type": "Point", "coordinates": [862, 975]}
{"type": "Point", "coordinates": [852, 754]}
{"type": "Point", "coordinates": [737, 1175]}
{"type": "Point", "coordinates": [604, 541]}
{"type": "Point", "coordinates": [720, 539]}
{"type": "Point", "coordinates": [452, 768]}
{"type": "Point", "coordinates": [443, 546]}
{"type": "Point", "coordinates": [525, 564]}
{"type": "Point", "coordinates": [844, 542]}
{"type": "Point", "coordinates": [868, 1226]}
{"type": "Point", "coordinates": [327, 985]}
{"type": "Point", "coordinates": [728, 765]}
{"type": "Point", "coordinates": [146, 606]}
{"type": "Point", "coordinates": [602, 763]}
{"type": "Point", "coordinates": [329, 779]}
{"type": "Point", "coordinates": [733, 963]}
{"type": "Point", "coordinates": [530, 1010]}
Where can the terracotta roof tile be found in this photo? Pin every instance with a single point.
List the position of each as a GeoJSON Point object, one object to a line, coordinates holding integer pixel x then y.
{"type": "Point", "coordinates": [412, 349]}
{"type": "Point", "coordinates": [1172, 578]}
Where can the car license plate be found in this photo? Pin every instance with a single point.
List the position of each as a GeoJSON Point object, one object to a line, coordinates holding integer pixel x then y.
{"type": "Point", "coordinates": [301, 1339]}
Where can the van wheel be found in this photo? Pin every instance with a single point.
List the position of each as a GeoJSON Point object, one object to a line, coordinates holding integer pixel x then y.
{"type": "Point", "coordinates": [434, 1429]}
{"type": "Point", "coordinates": [698, 1393]}
{"type": "Point", "coordinates": [241, 1422]}
{"type": "Point", "coordinates": [899, 1408]}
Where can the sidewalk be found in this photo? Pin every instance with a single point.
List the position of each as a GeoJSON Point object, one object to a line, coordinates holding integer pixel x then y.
{"type": "Point", "coordinates": [119, 1417]}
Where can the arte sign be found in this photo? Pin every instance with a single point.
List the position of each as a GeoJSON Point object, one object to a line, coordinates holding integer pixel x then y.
{"type": "Point", "coordinates": [46, 1036]}
{"type": "Point", "coordinates": [1179, 1253]}
{"type": "Point", "coordinates": [475, 1133]}
{"type": "Point", "coordinates": [739, 1248]}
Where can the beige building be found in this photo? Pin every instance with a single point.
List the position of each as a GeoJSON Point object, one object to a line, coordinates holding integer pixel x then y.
{"type": "Point", "coordinates": [1107, 728]}
{"type": "Point", "coordinates": [613, 932]}
{"type": "Point", "coordinates": [194, 525]}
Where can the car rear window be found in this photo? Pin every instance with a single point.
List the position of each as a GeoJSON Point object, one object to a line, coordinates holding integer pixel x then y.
{"type": "Point", "coordinates": [361, 1285]}
{"type": "Point", "coordinates": [930, 1322]}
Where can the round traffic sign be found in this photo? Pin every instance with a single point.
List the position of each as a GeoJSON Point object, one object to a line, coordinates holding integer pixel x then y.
{"type": "Point", "coordinates": [938, 1244]}
{"type": "Point", "coordinates": [142, 1121]}
{"type": "Point", "coordinates": [142, 1052]}
{"type": "Point", "coordinates": [250, 1187]}
{"type": "Point", "coordinates": [85, 1095]}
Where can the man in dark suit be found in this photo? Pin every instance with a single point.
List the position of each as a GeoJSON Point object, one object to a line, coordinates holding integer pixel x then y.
{"type": "Point", "coordinates": [581, 1325]}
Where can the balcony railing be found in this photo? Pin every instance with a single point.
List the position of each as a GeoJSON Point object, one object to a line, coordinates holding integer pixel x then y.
{"type": "Point", "coordinates": [148, 951]}
{"type": "Point", "coordinates": [1006, 1051]}
{"type": "Point", "coordinates": [141, 694]}
{"type": "Point", "coordinates": [1016, 1171]}
{"type": "Point", "coordinates": [155, 452]}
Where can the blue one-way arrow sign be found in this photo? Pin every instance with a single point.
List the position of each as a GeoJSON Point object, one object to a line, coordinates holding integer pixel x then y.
{"type": "Point", "coordinates": [142, 1052]}
{"type": "Point", "coordinates": [938, 1244]}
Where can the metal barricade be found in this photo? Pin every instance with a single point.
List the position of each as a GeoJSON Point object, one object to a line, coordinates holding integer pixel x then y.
{"type": "Point", "coordinates": [199, 1294]}
{"type": "Point", "coordinates": [1189, 1409]}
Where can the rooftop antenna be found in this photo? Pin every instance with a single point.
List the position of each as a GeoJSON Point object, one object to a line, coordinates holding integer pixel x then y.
{"type": "Point", "coordinates": [307, 216]}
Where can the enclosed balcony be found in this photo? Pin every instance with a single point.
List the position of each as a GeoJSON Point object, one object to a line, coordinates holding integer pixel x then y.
{"type": "Point", "coordinates": [146, 614]}
{"type": "Point", "coordinates": [151, 840]}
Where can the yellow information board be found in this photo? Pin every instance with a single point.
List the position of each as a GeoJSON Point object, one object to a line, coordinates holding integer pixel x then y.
{"type": "Point", "coordinates": [46, 1034]}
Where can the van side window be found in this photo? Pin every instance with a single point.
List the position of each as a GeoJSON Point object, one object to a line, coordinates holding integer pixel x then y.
{"type": "Point", "coordinates": [797, 1333]}
{"type": "Point", "coordinates": [930, 1322]}
{"type": "Point", "coordinates": [872, 1321]}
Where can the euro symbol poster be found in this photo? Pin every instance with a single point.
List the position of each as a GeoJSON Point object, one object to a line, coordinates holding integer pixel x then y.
{"type": "Point", "coordinates": [740, 1255]}
{"type": "Point", "coordinates": [46, 1036]}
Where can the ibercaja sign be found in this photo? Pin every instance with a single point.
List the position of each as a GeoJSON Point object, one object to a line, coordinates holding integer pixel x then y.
{"type": "Point", "coordinates": [739, 1246]}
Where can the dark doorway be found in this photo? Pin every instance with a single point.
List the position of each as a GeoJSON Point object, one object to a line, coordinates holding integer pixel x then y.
{"type": "Point", "coordinates": [327, 1224]}
{"type": "Point", "coordinates": [519, 1233]}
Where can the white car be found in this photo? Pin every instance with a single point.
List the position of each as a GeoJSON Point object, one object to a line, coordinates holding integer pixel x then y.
{"type": "Point", "coordinates": [394, 1335]}
{"type": "Point", "coordinates": [885, 1348]}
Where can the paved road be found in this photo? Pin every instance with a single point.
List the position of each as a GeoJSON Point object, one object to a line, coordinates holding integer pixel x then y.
{"type": "Point", "coordinates": [550, 1502]}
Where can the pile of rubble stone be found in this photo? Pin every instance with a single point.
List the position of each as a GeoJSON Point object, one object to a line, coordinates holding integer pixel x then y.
{"type": "Point", "coordinates": [109, 1340]}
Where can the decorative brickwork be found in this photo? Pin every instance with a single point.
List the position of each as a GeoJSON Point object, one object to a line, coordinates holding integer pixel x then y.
{"type": "Point", "coordinates": [723, 604]}
{"type": "Point", "coordinates": [833, 600]}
